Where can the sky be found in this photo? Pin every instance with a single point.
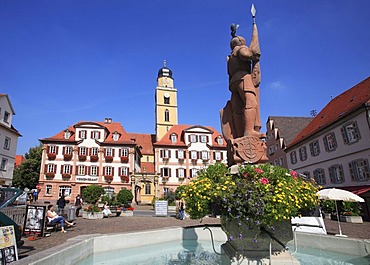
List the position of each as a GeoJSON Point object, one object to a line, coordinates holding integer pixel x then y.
{"type": "Point", "coordinates": [67, 61]}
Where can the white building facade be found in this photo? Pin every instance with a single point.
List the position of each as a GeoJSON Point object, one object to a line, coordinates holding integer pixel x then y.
{"type": "Point", "coordinates": [8, 141]}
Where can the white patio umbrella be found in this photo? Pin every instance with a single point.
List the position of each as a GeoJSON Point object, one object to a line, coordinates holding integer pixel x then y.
{"type": "Point", "coordinates": [334, 194]}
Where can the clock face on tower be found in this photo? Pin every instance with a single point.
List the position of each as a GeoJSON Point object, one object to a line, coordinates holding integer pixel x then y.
{"type": "Point", "coordinates": [165, 80]}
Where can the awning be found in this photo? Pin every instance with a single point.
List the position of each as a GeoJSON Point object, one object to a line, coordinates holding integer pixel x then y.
{"type": "Point", "coordinates": [357, 189]}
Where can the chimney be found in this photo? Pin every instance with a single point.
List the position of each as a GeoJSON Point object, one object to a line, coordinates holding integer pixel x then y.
{"type": "Point", "coordinates": [108, 120]}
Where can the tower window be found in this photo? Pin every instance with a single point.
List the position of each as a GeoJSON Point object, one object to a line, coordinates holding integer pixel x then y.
{"type": "Point", "coordinates": [166, 115]}
{"type": "Point", "coordinates": [166, 98]}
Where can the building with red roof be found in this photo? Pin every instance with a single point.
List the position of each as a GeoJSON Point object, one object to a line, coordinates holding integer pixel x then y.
{"type": "Point", "coordinates": [103, 153]}
{"type": "Point", "coordinates": [334, 148]}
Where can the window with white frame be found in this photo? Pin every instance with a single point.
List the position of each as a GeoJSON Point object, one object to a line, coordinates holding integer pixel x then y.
{"type": "Point", "coordinates": [205, 155]}
{"type": "Point", "coordinates": [124, 152]}
{"type": "Point", "coordinates": [218, 155]}
{"type": "Point", "coordinates": [277, 147]}
{"type": "Point", "coordinates": [293, 157]}
{"type": "Point", "coordinates": [193, 138]}
{"type": "Point", "coordinates": [359, 170]}
{"type": "Point", "coordinates": [166, 172]}
{"type": "Point", "coordinates": [94, 151]}
{"type": "Point", "coordinates": [65, 190]}
{"type": "Point", "coordinates": [115, 136]}
{"type": "Point", "coordinates": [220, 141]}
{"type": "Point", "coordinates": [52, 149]}
{"type": "Point", "coordinates": [194, 172]}
{"type": "Point", "coordinates": [68, 150]}
{"type": "Point", "coordinates": [194, 155]}
{"type": "Point", "coordinates": [148, 188]}
{"type": "Point", "coordinates": [51, 168]}
{"type": "Point", "coordinates": [109, 151]}
{"type": "Point", "coordinates": [281, 161]}
{"type": "Point", "coordinates": [315, 148]}
{"type": "Point", "coordinates": [95, 135]}
{"type": "Point", "coordinates": [82, 151]}
{"type": "Point", "coordinates": [67, 134]}
{"type": "Point", "coordinates": [203, 138]}
{"type": "Point", "coordinates": [81, 170]}
{"type": "Point", "coordinates": [181, 173]}
{"type": "Point", "coordinates": [7, 143]}
{"type": "Point", "coordinates": [48, 189]}
{"type": "Point", "coordinates": [3, 165]}
{"type": "Point", "coordinates": [93, 170]}
{"type": "Point", "coordinates": [350, 133]}
{"type": "Point", "coordinates": [180, 154]}
{"type": "Point", "coordinates": [166, 115]}
{"type": "Point", "coordinates": [271, 150]}
{"type": "Point", "coordinates": [165, 153]}
{"type": "Point", "coordinates": [108, 171]}
{"type": "Point", "coordinates": [330, 142]}
{"type": "Point", "coordinates": [173, 138]}
{"type": "Point", "coordinates": [83, 134]}
{"type": "Point", "coordinates": [67, 169]}
{"type": "Point", "coordinates": [124, 171]}
{"type": "Point", "coordinates": [336, 174]}
{"type": "Point", "coordinates": [319, 176]}
{"type": "Point", "coordinates": [6, 117]}
{"type": "Point", "coordinates": [303, 153]}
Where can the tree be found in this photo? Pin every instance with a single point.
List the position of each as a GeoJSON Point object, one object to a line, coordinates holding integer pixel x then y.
{"type": "Point", "coordinates": [27, 174]}
{"type": "Point", "coordinates": [92, 193]}
{"type": "Point", "coordinates": [125, 197]}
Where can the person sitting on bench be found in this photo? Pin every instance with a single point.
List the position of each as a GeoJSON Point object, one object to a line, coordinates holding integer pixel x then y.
{"type": "Point", "coordinates": [54, 218]}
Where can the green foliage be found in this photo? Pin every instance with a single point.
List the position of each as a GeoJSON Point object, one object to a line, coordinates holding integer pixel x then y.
{"type": "Point", "coordinates": [92, 193]}
{"type": "Point", "coordinates": [110, 198]}
{"type": "Point", "coordinates": [327, 206]}
{"type": "Point", "coordinates": [170, 197]}
{"type": "Point", "coordinates": [350, 209]}
{"type": "Point", "coordinates": [93, 209]}
{"type": "Point", "coordinates": [257, 195]}
{"type": "Point", "coordinates": [125, 197]}
{"type": "Point", "coordinates": [27, 174]}
{"type": "Point", "coordinates": [179, 191]}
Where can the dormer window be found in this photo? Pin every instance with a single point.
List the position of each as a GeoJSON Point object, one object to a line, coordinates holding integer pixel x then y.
{"type": "Point", "coordinates": [193, 138]}
{"type": "Point", "coordinates": [203, 138]}
{"type": "Point", "coordinates": [6, 117]}
{"type": "Point", "coordinates": [220, 141]}
{"type": "Point", "coordinates": [95, 135]}
{"type": "Point", "coordinates": [115, 136]}
{"type": "Point", "coordinates": [173, 138]}
{"type": "Point", "coordinates": [67, 134]}
{"type": "Point", "coordinates": [82, 134]}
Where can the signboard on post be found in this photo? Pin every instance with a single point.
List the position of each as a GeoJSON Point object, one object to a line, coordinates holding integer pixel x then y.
{"type": "Point", "coordinates": [34, 221]}
{"type": "Point", "coordinates": [161, 208]}
{"type": "Point", "coordinates": [8, 246]}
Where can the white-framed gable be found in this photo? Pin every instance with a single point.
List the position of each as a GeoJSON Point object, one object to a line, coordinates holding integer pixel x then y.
{"type": "Point", "coordinates": [90, 132]}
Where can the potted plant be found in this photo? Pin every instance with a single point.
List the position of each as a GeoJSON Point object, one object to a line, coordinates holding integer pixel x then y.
{"type": "Point", "coordinates": [108, 159]}
{"type": "Point", "coordinates": [124, 159]}
{"type": "Point", "coordinates": [66, 176]}
{"type": "Point", "coordinates": [350, 213]}
{"type": "Point", "coordinates": [51, 156]}
{"type": "Point", "coordinates": [252, 203]}
{"type": "Point", "coordinates": [94, 158]}
{"type": "Point", "coordinates": [124, 197]}
{"type": "Point", "coordinates": [108, 178]}
{"type": "Point", "coordinates": [91, 195]}
{"type": "Point", "coordinates": [125, 179]}
{"type": "Point", "coordinates": [67, 157]}
{"type": "Point", "coordinates": [50, 174]}
{"type": "Point", "coordinates": [82, 158]}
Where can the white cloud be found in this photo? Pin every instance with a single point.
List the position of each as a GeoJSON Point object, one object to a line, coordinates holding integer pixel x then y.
{"type": "Point", "coordinates": [276, 85]}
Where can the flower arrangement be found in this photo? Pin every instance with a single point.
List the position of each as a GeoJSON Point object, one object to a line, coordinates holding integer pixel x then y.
{"type": "Point", "coordinates": [108, 177]}
{"type": "Point", "coordinates": [258, 195]}
{"type": "Point", "coordinates": [108, 159]}
{"type": "Point", "coordinates": [125, 179]}
{"type": "Point", "coordinates": [94, 158]}
{"type": "Point", "coordinates": [124, 159]}
{"type": "Point", "coordinates": [50, 174]}
{"type": "Point", "coordinates": [51, 156]}
{"type": "Point", "coordinates": [67, 157]}
{"type": "Point", "coordinates": [82, 157]}
{"type": "Point", "coordinates": [66, 175]}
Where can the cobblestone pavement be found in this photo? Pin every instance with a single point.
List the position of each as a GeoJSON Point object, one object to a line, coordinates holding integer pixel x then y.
{"type": "Point", "coordinates": [138, 223]}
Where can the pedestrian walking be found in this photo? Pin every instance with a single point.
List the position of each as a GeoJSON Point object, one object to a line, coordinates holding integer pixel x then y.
{"type": "Point", "coordinates": [78, 204]}
{"type": "Point", "coordinates": [61, 202]}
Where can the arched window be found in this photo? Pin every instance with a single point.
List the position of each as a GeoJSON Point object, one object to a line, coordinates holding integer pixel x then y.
{"type": "Point", "coordinates": [166, 115]}
{"type": "Point", "coordinates": [166, 98]}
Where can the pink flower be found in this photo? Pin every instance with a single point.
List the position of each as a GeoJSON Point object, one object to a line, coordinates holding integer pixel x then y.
{"type": "Point", "coordinates": [264, 181]}
{"type": "Point", "coordinates": [258, 170]}
{"type": "Point", "coordinates": [245, 175]}
{"type": "Point", "coordinates": [294, 174]}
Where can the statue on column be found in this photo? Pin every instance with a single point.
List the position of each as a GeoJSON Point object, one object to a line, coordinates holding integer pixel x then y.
{"type": "Point", "coordinates": [240, 118]}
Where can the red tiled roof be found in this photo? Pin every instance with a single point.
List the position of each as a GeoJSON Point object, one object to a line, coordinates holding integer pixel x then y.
{"type": "Point", "coordinates": [336, 109]}
{"type": "Point", "coordinates": [149, 167]}
{"type": "Point", "coordinates": [145, 141]}
{"type": "Point", "coordinates": [109, 127]}
{"type": "Point", "coordinates": [179, 130]}
{"type": "Point", "coordinates": [19, 159]}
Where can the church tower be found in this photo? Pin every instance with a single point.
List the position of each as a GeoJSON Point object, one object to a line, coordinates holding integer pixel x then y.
{"type": "Point", "coordinates": [165, 102]}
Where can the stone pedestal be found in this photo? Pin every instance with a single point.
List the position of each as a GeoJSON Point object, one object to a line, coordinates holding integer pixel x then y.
{"type": "Point", "coordinates": [90, 215]}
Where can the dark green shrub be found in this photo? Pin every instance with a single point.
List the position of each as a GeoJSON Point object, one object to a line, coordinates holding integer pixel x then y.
{"type": "Point", "coordinates": [92, 193]}
{"type": "Point", "coordinates": [125, 197]}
